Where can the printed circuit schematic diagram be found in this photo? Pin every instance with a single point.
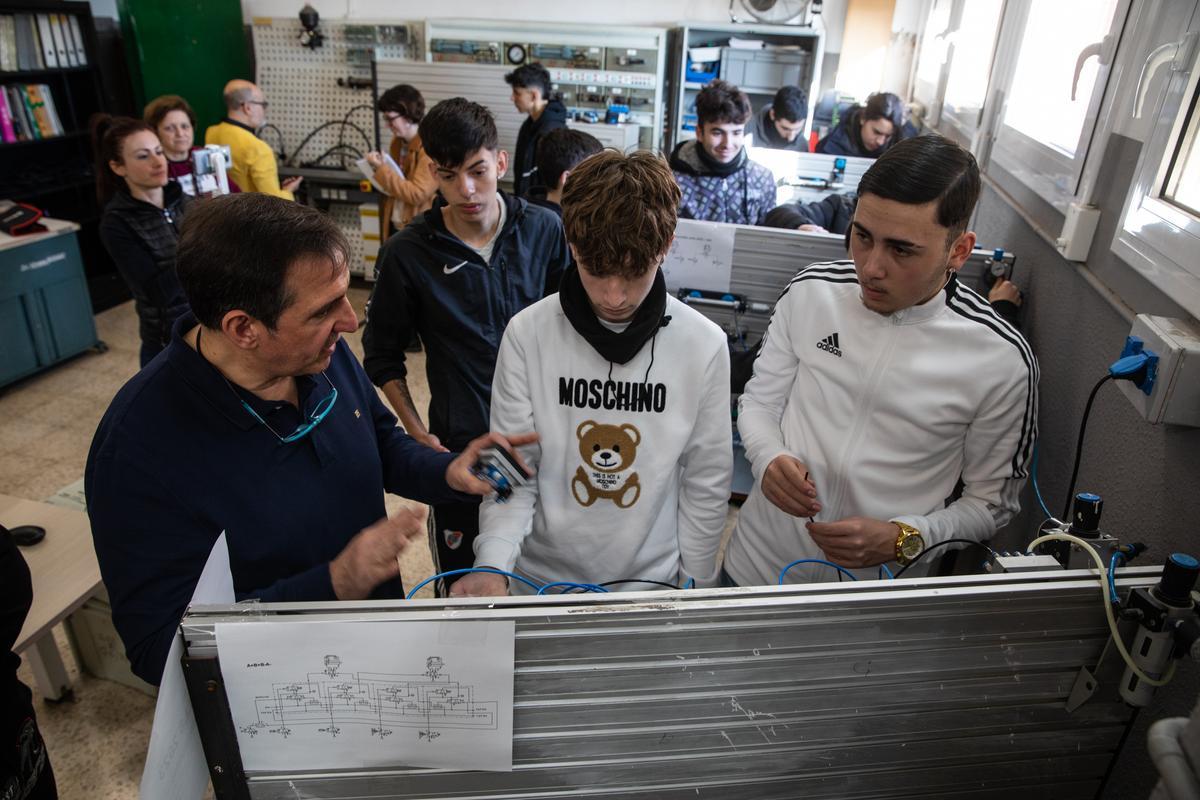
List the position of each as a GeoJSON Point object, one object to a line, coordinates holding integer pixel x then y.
{"type": "Point", "coordinates": [330, 700]}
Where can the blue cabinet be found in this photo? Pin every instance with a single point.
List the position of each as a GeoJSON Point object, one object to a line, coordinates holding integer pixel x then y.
{"type": "Point", "coordinates": [45, 311]}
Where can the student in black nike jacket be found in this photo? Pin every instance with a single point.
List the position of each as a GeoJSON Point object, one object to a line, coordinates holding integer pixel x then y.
{"type": "Point", "coordinates": [456, 275]}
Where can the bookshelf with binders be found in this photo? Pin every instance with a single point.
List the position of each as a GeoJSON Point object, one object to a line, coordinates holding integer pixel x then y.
{"type": "Point", "coordinates": [49, 88]}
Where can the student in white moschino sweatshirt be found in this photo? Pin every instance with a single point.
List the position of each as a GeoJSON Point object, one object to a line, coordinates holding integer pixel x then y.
{"type": "Point", "coordinates": [628, 390]}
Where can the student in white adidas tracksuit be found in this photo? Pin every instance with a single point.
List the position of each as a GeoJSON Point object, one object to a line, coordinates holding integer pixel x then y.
{"type": "Point", "coordinates": [881, 382]}
{"type": "Point", "coordinates": [628, 390]}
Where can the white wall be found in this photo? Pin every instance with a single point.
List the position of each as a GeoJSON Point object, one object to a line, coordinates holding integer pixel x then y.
{"type": "Point", "coordinates": [620, 12]}
{"type": "Point", "coordinates": [616, 12]}
{"type": "Point", "coordinates": [910, 15]}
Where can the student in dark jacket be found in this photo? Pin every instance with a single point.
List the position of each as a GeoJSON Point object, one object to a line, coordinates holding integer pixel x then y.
{"type": "Point", "coordinates": [867, 131]}
{"type": "Point", "coordinates": [717, 179]}
{"type": "Point", "coordinates": [456, 275]}
{"type": "Point", "coordinates": [25, 772]}
{"type": "Point", "coordinates": [559, 152]}
{"type": "Point", "coordinates": [832, 213]}
{"type": "Point", "coordinates": [141, 222]}
{"type": "Point", "coordinates": [531, 94]}
{"type": "Point", "coordinates": [780, 125]}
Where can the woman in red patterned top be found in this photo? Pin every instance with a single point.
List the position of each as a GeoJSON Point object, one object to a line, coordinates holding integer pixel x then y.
{"type": "Point", "coordinates": [175, 123]}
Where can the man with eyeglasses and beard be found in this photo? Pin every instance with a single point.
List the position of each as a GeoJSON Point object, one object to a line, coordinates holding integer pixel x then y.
{"type": "Point", "coordinates": [253, 167]}
{"type": "Point", "coordinates": [258, 421]}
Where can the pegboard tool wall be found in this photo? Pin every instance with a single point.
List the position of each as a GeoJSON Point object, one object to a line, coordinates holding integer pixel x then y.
{"type": "Point", "coordinates": [301, 84]}
{"type": "Point", "coordinates": [482, 83]}
{"type": "Point", "coordinates": [347, 217]}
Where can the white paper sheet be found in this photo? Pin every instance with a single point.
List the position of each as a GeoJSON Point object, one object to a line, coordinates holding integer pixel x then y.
{"type": "Point", "coordinates": [701, 257]}
{"type": "Point", "coordinates": [343, 695]}
{"type": "Point", "coordinates": [175, 765]}
{"type": "Point", "coordinates": [369, 172]}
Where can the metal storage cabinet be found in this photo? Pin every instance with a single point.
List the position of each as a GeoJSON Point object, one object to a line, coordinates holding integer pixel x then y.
{"type": "Point", "coordinates": [794, 58]}
{"type": "Point", "coordinates": [45, 311]}
{"type": "Point", "coordinates": [763, 71]}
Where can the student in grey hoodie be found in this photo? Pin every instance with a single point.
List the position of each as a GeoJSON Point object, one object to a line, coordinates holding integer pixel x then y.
{"type": "Point", "coordinates": [718, 181]}
{"type": "Point", "coordinates": [780, 125]}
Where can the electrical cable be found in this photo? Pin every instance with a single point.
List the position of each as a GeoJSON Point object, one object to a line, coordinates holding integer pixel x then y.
{"type": "Point", "coordinates": [318, 129]}
{"type": "Point", "coordinates": [1112, 581]}
{"type": "Point", "coordinates": [841, 570]}
{"type": "Point", "coordinates": [639, 580]}
{"type": "Point", "coordinates": [282, 152]}
{"type": "Point", "coordinates": [1037, 492]}
{"type": "Point", "coordinates": [935, 545]}
{"type": "Point", "coordinates": [1108, 611]}
{"type": "Point", "coordinates": [488, 570]}
{"type": "Point", "coordinates": [883, 568]}
{"type": "Point", "coordinates": [541, 590]}
{"type": "Point", "coordinates": [1087, 410]}
{"type": "Point", "coordinates": [336, 149]}
{"type": "Point", "coordinates": [586, 587]}
{"type": "Point", "coordinates": [346, 121]}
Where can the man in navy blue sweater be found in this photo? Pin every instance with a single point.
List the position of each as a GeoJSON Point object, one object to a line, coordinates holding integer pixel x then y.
{"type": "Point", "coordinates": [258, 421]}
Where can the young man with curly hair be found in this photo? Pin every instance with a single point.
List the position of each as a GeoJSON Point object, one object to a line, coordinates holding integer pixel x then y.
{"type": "Point", "coordinates": [718, 180]}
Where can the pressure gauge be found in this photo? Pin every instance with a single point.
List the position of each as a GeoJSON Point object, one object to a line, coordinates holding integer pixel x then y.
{"type": "Point", "coordinates": [516, 54]}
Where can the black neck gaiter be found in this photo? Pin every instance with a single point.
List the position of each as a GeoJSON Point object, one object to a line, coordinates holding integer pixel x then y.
{"type": "Point", "coordinates": [714, 167]}
{"type": "Point", "coordinates": [616, 347]}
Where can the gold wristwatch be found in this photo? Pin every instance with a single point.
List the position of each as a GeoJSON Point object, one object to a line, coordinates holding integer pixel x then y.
{"type": "Point", "coordinates": [909, 543]}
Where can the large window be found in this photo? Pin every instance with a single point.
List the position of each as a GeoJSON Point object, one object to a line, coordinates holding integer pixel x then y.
{"type": "Point", "coordinates": [931, 60]}
{"type": "Point", "coordinates": [1183, 177]}
{"type": "Point", "coordinates": [1159, 230]}
{"type": "Point", "coordinates": [1052, 81]}
{"type": "Point", "coordinates": [1026, 84]}
{"type": "Point", "coordinates": [970, 64]}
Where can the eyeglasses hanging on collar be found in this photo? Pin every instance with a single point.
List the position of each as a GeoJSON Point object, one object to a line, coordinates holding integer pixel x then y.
{"type": "Point", "coordinates": [315, 417]}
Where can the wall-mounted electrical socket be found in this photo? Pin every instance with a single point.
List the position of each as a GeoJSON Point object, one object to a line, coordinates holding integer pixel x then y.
{"type": "Point", "coordinates": [1079, 227]}
{"type": "Point", "coordinates": [1175, 395]}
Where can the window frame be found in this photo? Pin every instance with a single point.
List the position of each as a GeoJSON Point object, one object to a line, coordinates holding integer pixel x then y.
{"type": "Point", "coordinates": [1155, 237]}
{"type": "Point", "coordinates": [931, 94]}
{"type": "Point", "coordinates": [1007, 149]}
{"type": "Point", "coordinates": [954, 124]}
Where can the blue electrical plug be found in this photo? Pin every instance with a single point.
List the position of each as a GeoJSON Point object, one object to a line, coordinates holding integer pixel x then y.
{"type": "Point", "coordinates": [1136, 364]}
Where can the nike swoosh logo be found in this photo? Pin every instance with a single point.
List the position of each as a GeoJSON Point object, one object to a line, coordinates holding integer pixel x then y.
{"type": "Point", "coordinates": [449, 270]}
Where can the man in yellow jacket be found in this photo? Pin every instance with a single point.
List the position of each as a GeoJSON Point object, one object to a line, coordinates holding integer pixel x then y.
{"type": "Point", "coordinates": [254, 167]}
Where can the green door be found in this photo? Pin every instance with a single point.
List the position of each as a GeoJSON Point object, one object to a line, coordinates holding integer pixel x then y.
{"type": "Point", "coordinates": [185, 47]}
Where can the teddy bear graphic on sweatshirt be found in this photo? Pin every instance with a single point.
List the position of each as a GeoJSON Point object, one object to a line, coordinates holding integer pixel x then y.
{"type": "Point", "coordinates": [608, 453]}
